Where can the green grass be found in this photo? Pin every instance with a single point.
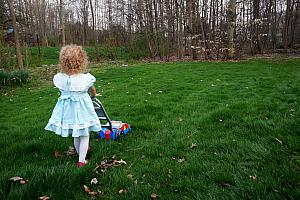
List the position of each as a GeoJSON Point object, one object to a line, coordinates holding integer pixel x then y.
{"type": "Point", "coordinates": [244, 118]}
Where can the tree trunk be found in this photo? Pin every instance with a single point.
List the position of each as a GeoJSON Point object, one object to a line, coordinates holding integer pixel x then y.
{"type": "Point", "coordinates": [93, 25]}
{"type": "Point", "coordinates": [1, 21]}
{"type": "Point", "coordinates": [192, 15]}
{"type": "Point", "coordinates": [256, 22]}
{"type": "Point", "coordinates": [231, 17]}
{"type": "Point", "coordinates": [296, 27]}
{"type": "Point", "coordinates": [287, 24]}
{"type": "Point", "coordinates": [62, 23]}
{"type": "Point", "coordinates": [16, 34]}
{"type": "Point", "coordinates": [274, 13]}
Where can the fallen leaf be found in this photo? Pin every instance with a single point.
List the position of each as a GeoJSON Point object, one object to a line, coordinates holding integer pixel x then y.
{"type": "Point", "coordinates": [16, 178]}
{"type": "Point", "coordinates": [71, 151]}
{"type": "Point", "coordinates": [130, 176]}
{"type": "Point", "coordinates": [20, 179]}
{"type": "Point", "coordinates": [57, 153]}
{"type": "Point", "coordinates": [89, 191]}
{"type": "Point", "coordinates": [193, 146]}
{"type": "Point", "coordinates": [94, 181]}
{"type": "Point", "coordinates": [86, 189]}
{"type": "Point", "coordinates": [153, 195]}
{"type": "Point", "coordinates": [44, 197]}
{"type": "Point", "coordinates": [105, 164]}
{"type": "Point", "coordinates": [119, 162]}
{"type": "Point", "coordinates": [23, 181]}
{"type": "Point", "coordinates": [122, 191]}
{"type": "Point", "coordinates": [253, 178]}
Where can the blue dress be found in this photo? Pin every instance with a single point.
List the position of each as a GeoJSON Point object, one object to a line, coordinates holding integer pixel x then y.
{"type": "Point", "coordinates": [74, 112]}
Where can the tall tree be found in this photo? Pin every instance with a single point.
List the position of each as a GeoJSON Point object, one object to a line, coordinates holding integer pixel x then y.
{"type": "Point", "coordinates": [256, 23]}
{"type": "Point", "coordinates": [287, 21]}
{"type": "Point", "coordinates": [231, 18]}
{"type": "Point", "coordinates": [16, 34]}
{"type": "Point", "coordinates": [62, 22]}
{"type": "Point", "coordinates": [1, 20]}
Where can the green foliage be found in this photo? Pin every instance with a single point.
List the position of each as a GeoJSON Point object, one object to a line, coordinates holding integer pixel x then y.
{"type": "Point", "coordinates": [138, 47]}
{"type": "Point", "coordinates": [53, 40]}
{"type": "Point", "coordinates": [114, 53]}
{"type": "Point", "coordinates": [7, 58]}
{"type": "Point", "coordinates": [36, 57]}
{"type": "Point", "coordinates": [14, 78]}
{"type": "Point", "coordinates": [43, 56]}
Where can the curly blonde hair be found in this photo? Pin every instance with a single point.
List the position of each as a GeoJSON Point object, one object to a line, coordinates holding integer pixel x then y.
{"type": "Point", "coordinates": [73, 59]}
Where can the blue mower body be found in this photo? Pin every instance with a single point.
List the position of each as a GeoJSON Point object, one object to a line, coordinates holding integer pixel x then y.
{"type": "Point", "coordinates": [111, 130]}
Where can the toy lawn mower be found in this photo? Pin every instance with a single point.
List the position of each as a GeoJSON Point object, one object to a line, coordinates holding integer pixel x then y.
{"type": "Point", "coordinates": [111, 130]}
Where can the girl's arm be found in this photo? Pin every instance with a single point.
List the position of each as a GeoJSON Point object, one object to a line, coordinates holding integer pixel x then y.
{"type": "Point", "coordinates": [92, 91]}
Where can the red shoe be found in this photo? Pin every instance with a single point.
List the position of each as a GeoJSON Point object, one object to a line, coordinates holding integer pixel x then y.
{"type": "Point", "coordinates": [81, 164]}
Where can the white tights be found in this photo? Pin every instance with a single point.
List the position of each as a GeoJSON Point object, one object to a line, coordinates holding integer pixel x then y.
{"type": "Point", "coordinates": [81, 145]}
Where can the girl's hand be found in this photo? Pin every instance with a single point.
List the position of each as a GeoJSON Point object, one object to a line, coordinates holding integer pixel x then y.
{"type": "Point", "coordinates": [92, 91]}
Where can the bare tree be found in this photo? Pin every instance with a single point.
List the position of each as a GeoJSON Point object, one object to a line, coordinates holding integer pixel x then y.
{"type": "Point", "coordinates": [256, 23]}
{"type": "Point", "coordinates": [231, 18]}
{"type": "Point", "coordinates": [62, 22]}
{"type": "Point", "coordinates": [16, 34]}
{"type": "Point", "coordinates": [213, 28]}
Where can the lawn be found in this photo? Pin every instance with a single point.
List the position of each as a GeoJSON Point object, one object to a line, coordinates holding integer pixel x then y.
{"type": "Point", "coordinates": [208, 130]}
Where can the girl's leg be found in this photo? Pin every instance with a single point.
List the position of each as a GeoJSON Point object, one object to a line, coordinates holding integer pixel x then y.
{"type": "Point", "coordinates": [76, 144]}
{"type": "Point", "coordinates": [83, 147]}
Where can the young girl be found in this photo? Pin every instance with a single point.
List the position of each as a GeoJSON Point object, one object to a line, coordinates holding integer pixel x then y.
{"type": "Point", "coordinates": [74, 112]}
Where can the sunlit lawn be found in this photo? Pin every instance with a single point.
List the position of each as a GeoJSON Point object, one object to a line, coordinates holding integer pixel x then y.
{"type": "Point", "coordinates": [201, 131]}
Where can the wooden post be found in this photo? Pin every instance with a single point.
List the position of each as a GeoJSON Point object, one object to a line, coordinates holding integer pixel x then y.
{"type": "Point", "coordinates": [38, 43]}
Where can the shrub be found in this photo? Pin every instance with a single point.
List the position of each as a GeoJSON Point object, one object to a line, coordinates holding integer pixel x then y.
{"type": "Point", "coordinates": [13, 78]}
{"type": "Point", "coordinates": [7, 58]}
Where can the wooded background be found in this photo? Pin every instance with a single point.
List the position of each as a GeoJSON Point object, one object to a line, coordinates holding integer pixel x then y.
{"type": "Point", "coordinates": [209, 29]}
